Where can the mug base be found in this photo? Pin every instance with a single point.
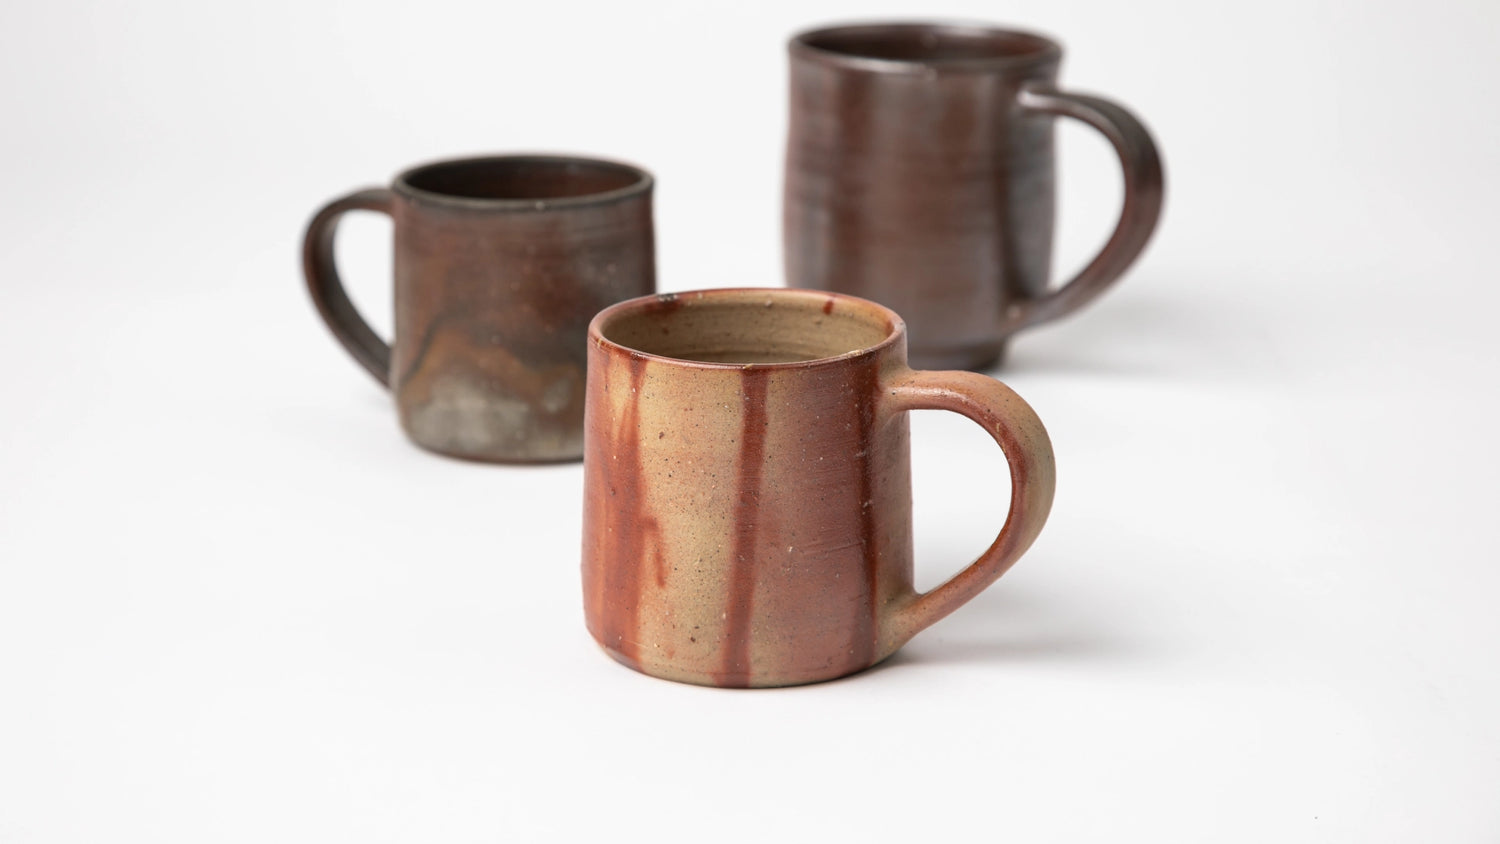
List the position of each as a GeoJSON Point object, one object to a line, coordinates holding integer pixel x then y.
{"type": "Point", "coordinates": [500, 459]}
{"type": "Point", "coordinates": [698, 678]}
{"type": "Point", "coordinates": [489, 439]}
{"type": "Point", "coordinates": [520, 415]}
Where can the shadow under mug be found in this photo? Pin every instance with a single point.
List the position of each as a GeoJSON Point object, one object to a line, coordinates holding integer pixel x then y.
{"type": "Point", "coordinates": [920, 174]}
{"type": "Point", "coordinates": [747, 485]}
{"type": "Point", "coordinates": [499, 264]}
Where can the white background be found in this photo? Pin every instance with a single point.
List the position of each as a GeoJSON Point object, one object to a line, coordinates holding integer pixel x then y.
{"type": "Point", "coordinates": [236, 605]}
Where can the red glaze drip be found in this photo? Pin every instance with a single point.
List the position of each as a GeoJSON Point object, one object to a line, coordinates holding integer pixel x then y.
{"type": "Point", "coordinates": [828, 307]}
{"type": "Point", "coordinates": [742, 563]}
{"type": "Point", "coordinates": [657, 558]}
{"type": "Point", "coordinates": [628, 527]}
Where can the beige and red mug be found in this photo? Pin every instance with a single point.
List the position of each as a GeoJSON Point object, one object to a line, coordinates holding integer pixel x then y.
{"type": "Point", "coordinates": [747, 510]}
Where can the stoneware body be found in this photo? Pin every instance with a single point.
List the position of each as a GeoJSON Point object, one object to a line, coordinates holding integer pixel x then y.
{"type": "Point", "coordinates": [920, 174]}
{"type": "Point", "coordinates": [747, 510]}
{"type": "Point", "coordinates": [500, 263]}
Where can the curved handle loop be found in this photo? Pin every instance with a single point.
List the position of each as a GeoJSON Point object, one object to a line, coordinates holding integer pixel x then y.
{"type": "Point", "coordinates": [1142, 207]}
{"type": "Point", "coordinates": [1033, 474]}
{"type": "Point", "coordinates": [327, 292]}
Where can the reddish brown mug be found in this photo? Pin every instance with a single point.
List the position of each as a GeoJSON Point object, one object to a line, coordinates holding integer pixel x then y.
{"type": "Point", "coordinates": [919, 173]}
{"type": "Point", "coordinates": [500, 263]}
{"type": "Point", "coordinates": [747, 485]}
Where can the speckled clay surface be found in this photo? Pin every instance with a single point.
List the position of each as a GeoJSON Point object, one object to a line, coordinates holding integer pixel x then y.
{"type": "Point", "coordinates": [747, 510]}
{"type": "Point", "coordinates": [920, 174]}
{"type": "Point", "coordinates": [500, 263]}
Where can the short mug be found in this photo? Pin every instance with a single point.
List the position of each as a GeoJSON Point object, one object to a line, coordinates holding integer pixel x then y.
{"type": "Point", "coordinates": [747, 485]}
{"type": "Point", "coordinates": [500, 263]}
{"type": "Point", "coordinates": [919, 173]}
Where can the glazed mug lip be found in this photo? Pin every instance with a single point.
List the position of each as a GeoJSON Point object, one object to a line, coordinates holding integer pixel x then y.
{"type": "Point", "coordinates": [747, 297]}
{"type": "Point", "coordinates": [643, 183]}
{"type": "Point", "coordinates": [803, 45]}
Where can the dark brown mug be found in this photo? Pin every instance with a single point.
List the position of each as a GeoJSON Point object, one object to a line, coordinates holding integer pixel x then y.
{"type": "Point", "coordinates": [920, 174]}
{"type": "Point", "coordinates": [500, 263]}
{"type": "Point", "coordinates": [747, 485]}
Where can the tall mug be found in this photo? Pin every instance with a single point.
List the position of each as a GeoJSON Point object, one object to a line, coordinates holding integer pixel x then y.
{"type": "Point", "coordinates": [920, 174]}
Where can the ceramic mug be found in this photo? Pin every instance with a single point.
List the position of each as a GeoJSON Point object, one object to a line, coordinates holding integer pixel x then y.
{"type": "Point", "coordinates": [920, 174]}
{"type": "Point", "coordinates": [500, 263]}
{"type": "Point", "coordinates": [747, 485]}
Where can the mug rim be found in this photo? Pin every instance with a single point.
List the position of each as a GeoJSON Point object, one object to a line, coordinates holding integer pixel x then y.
{"type": "Point", "coordinates": [895, 326]}
{"type": "Point", "coordinates": [643, 184]}
{"type": "Point", "coordinates": [800, 46]}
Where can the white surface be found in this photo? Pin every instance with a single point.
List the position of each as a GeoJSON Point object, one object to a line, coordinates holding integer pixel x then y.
{"type": "Point", "coordinates": [235, 605]}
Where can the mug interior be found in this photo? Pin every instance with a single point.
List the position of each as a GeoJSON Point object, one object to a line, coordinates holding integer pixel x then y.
{"type": "Point", "coordinates": [927, 43]}
{"type": "Point", "coordinates": [522, 178]}
{"type": "Point", "coordinates": [748, 326]}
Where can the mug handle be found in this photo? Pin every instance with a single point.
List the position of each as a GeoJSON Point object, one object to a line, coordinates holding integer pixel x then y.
{"type": "Point", "coordinates": [1033, 476]}
{"type": "Point", "coordinates": [1142, 207]}
{"type": "Point", "coordinates": [327, 291]}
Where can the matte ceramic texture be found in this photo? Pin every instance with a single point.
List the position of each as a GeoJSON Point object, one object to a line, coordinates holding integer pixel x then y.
{"type": "Point", "coordinates": [500, 263]}
{"type": "Point", "coordinates": [920, 174]}
{"type": "Point", "coordinates": [747, 501]}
